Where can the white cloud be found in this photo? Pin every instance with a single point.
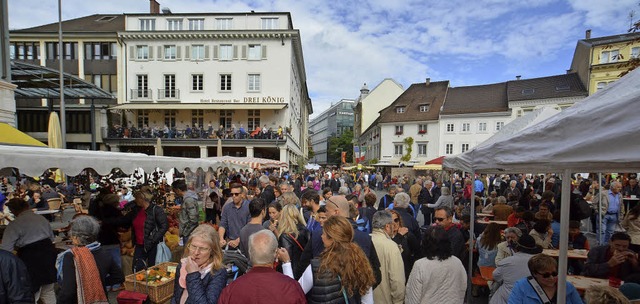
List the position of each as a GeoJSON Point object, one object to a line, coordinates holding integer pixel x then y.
{"type": "Point", "coordinates": [349, 42]}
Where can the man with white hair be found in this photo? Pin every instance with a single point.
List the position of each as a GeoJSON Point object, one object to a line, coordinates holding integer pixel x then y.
{"type": "Point", "coordinates": [612, 209]}
{"type": "Point", "coordinates": [267, 194]}
{"type": "Point", "coordinates": [402, 206]}
{"type": "Point", "coordinates": [252, 287]}
{"type": "Point", "coordinates": [513, 190]}
{"type": "Point", "coordinates": [425, 197]}
{"type": "Point", "coordinates": [391, 287]}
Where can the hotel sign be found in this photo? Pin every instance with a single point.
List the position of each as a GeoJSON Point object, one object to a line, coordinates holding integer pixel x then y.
{"type": "Point", "coordinates": [263, 99]}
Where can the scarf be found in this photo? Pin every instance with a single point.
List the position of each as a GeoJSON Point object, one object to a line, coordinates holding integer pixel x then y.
{"type": "Point", "coordinates": [182, 281]}
{"type": "Point", "coordinates": [90, 290]}
{"type": "Point", "coordinates": [60, 259]}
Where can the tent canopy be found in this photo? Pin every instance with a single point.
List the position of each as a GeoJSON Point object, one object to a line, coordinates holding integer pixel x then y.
{"type": "Point", "coordinates": [597, 134]}
{"type": "Point", "coordinates": [469, 160]}
{"type": "Point", "coordinates": [33, 161]}
{"type": "Point", "coordinates": [12, 136]}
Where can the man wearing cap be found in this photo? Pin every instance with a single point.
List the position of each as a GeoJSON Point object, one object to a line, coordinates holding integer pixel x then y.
{"type": "Point", "coordinates": [338, 205]}
{"type": "Point", "coordinates": [513, 268]}
{"type": "Point", "coordinates": [30, 235]}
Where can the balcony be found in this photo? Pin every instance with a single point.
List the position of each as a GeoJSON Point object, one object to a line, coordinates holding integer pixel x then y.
{"type": "Point", "coordinates": [141, 95]}
{"type": "Point", "coordinates": [422, 131]}
{"type": "Point", "coordinates": [165, 95]}
{"type": "Point", "coordinates": [399, 132]}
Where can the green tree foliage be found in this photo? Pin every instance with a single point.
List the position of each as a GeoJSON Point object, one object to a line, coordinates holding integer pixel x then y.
{"type": "Point", "coordinates": [338, 144]}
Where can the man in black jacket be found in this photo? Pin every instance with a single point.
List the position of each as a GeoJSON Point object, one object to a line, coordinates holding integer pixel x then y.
{"type": "Point", "coordinates": [15, 284]}
{"type": "Point", "coordinates": [267, 194]}
{"type": "Point", "coordinates": [339, 206]}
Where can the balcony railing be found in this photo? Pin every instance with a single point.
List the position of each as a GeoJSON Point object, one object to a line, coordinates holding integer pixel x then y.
{"type": "Point", "coordinates": [118, 132]}
{"type": "Point", "coordinates": [171, 94]}
{"type": "Point", "coordinates": [141, 94]}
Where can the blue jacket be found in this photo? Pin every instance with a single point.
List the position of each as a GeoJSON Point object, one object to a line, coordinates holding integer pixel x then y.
{"type": "Point", "coordinates": [523, 293]}
{"type": "Point", "coordinates": [205, 290]}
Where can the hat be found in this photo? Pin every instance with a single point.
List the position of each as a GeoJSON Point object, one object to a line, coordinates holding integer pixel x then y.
{"type": "Point", "coordinates": [111, 199]}
{"type": "Point", "coordinates": [527, 244]}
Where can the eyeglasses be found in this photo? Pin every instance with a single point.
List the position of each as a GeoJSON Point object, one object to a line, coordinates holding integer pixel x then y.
{"type": "Point", "coordinates": [439, 219]}
{"type": "Point", "coordinates": [194, 248]}
{"type": "Point", "coordinates": [235, 194]}
{"type": "Point", "coordinates": [546, 275]}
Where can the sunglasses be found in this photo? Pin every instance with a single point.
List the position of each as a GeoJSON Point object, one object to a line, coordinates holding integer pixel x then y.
{"type": "Point", "coordinates": [439, 219]}
{"type": "Point", "coordinates": [546, 275]}
{"type": "Point", "coordinates": [397, 220]}
{"type": "Point", "coordinates": [235, 194]}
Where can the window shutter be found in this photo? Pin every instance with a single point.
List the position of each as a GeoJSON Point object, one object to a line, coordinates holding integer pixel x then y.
{"type": "Point", "coordinates": [178, 48]}
{"type": "Point", "coordinates": [160, 53]}
{"type": "Point", "coordinates": [215, 52]}
{"type": "Point", "coordinates": [235, 52]}
{"type": "Point", "coordinates": [151, 53]}
{"type": "Point", "coordinates": [206, 52]}
{"type": "Point", "coordinates": [244, 52]}
{"type": "Point", "coordinates": [264, 52]}
{"type": "Point", "coordinates": [132, 53]}
{"type": "Point", "coordinates": [187, 54]}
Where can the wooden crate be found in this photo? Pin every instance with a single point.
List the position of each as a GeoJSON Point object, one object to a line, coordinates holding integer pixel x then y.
{"type": "Point", "coordinates": [158, 292]}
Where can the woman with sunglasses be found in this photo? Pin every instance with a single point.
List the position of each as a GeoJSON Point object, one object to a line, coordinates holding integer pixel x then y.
{"type": "Point", "coordinates": [541, 286]}
{"type": "Point", "coordinates": [408, 243]}
{"type": "Point", "coordinates": [200, 276]}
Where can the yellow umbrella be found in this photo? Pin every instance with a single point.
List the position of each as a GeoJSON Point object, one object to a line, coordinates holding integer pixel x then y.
{"type": "Point", "coordinates": [54, 136]}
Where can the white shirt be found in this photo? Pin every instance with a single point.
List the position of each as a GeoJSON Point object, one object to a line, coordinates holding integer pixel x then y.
{"type": "Point", "coordinates": [306, 282]}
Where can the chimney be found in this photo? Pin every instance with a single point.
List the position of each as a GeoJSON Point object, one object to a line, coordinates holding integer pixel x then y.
{"type": "Point", "coordinates": [518, 77]}
{"type": "Point", "coordinates": [154, 7]}
{"type": "Point", "coordinates": [587, 34]}
{"type": "Point", "coordinates": [427, 81]}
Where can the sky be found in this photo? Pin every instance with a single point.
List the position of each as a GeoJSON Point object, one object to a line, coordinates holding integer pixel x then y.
{"type": "Point", "coordinates": [347, 43]}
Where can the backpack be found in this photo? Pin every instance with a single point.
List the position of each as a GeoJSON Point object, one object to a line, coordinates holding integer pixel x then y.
{"type": "Point", "coordinates": [580, 209]}
{"type": "Point", "coordinates": [363, 224]}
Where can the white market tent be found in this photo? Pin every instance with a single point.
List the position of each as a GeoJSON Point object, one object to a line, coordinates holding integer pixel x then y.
{"type": "Point", "coordinates": [598, 133]}
{"type": "Point", "coordinates": [249, 162]}
{"type": "Point", "coordinates": [33, 161]}
{"type": "Point", "coordinates": [468, 161]}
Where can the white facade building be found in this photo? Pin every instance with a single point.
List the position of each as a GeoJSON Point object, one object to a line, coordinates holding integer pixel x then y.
{"type": "Point", "coordinates": [227, 69]}
{"type": "Point", "coordinates": [369, 104]}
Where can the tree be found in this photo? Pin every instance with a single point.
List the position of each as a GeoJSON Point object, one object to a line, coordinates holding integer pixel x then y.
{"type": "Point", "coordinates": [339, 144]}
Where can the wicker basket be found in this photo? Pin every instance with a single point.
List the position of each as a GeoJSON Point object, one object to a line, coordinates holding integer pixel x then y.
{"type": "Point", "coordinates": [158, 292]}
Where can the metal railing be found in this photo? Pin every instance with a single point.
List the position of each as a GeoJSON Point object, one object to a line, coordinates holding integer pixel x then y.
{"type": "Point", "coordinates": [141, 94]}
{"type": "Point", "coordinates": [168, 94]}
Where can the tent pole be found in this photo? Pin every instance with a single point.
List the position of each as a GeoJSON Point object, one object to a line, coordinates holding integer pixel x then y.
{"type": "Point", "coordinates": [472, 223]}
{"type": "Point", "coordinates": [599, 219]}
{"type": "Point", "coordinates": [564, 235]}
{"type": "Point", "coordinates": [544, 182]}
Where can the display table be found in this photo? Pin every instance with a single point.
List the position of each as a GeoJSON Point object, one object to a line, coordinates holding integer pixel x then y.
{"type": "Point", "coordinates": [582, 283]}
{"type": "Point", "coordinates": [43, 212]}
{"type": "Point", "coordinates": [501, 223]}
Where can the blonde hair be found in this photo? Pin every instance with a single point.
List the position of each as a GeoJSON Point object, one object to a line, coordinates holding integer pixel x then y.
{"type": "Point", "coordinates": [290, 217]}
{"type": "Point", "coordinates": [209, 235]}
{"type": "Point", "coordinates": [144, 192]}
{"type": "Point", "coordinates": [289, 198]}
{"type": "Point", "coordinates": [604, 295]}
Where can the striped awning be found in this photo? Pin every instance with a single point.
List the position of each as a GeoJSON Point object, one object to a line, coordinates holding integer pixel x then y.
{"type": "Point", "coordinates": [252, 162]}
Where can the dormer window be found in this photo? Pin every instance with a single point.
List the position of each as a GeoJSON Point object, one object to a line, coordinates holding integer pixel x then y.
{"type": "Point", "coordinates": [401, 109]}
{"type": "Point", "coordinates": [528, 91]}
{"type": "Point", "coordinates": [424, 107]}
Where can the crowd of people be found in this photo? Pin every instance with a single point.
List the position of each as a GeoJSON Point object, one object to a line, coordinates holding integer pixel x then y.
{"type": "Point", "coordinates": [324, 236]}
{"type": "Point", "coordinates": [196, 131]}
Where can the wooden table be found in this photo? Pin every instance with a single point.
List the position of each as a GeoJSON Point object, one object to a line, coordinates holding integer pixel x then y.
{"type": "Point", "coordinates": [501, 223]}
{"type": "Point", "coordinates": [572, 254]}
{"type": "Point", "coordinates": [485, 215]}
{"type": "Point", "coordinates": [582, 283]}
{"type": "Point", "coordinates": [628, 200]}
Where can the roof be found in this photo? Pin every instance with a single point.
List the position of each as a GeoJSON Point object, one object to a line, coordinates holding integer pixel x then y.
{"type": "Point", "coordinates": [416, 95]}
{"type": "Point", "coordinates": [108, 23]}
{"type": "Point", "coordinates": [36, 81]}
{"type": "Point", "coordinates": [477, 99]}
{"type": "Point", "coordinates": [612, 39]}
{"type": "Point", "coordinates": [558, 86]}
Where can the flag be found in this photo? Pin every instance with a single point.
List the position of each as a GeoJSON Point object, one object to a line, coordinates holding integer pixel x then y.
{"type": "Point", "coordinates": [344, 157]}
{"type": "Point", "coordinates": [356, 154]}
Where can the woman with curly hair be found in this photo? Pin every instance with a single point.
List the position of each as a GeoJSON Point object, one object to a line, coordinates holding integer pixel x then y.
{"type": "Point", "coordinates": [292, 233]}
{"type": "Point", "coordinates": [342, 274]}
